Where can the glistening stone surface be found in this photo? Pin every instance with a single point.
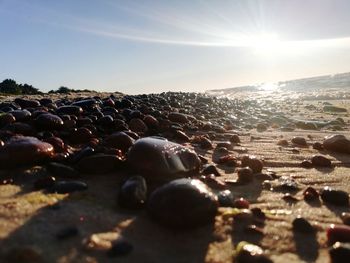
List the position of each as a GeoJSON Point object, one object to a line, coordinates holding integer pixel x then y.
{"type": "Point", "coordinates": [183, 203]}
{"type": "Point", "coordinates": [155, 156]}
{"type": "Point", "coordinates": [24, 151]}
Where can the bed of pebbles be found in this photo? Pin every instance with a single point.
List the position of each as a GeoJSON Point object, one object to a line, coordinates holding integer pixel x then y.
{"type": "Point", "coordinates": [160, 143]}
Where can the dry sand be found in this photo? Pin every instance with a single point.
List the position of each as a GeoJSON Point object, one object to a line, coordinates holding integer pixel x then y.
{"type": "Point", "coordinates": [26, 219]}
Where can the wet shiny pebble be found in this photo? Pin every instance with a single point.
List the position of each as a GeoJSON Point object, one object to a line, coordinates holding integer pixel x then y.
{"type": "Point", "coordinates": [172, 204]}
{"type": "Point", "coordinates": [340, 252]}
{"type": "Point", "coordinates": [133, 192]}
{"type": "Point", "coordinates": [335, 197]}
{"type": "Point", "coordinates": [300, 224]}
{"type": "Point", "coordinates": [338, 233]}
{"type": "Point", "coordinates": [157, 157]}
{"type": "Point", "coordinates": [320, 161]}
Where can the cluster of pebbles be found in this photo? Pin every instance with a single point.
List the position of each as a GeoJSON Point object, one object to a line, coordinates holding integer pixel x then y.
{"type": "Point", "coordinates": [152, 139]}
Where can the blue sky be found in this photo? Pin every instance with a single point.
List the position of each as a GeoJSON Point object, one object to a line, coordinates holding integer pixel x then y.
{"type": "Point", "coordinates": [153, 46]}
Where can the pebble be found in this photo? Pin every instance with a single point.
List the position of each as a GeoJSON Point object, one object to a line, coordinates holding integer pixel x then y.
{"type": "Point", "coordinates": [235, 139]}
{"type": "Point", "coordinates": [338, 233]}
{"type": "Point", "coordinates": [311, 194]}
{"type": "Point", "coordinates": [337, 143]}
{"type": "Point", "coordinates": [211, 169]}
{"type": "Point", "coordinates": [345, 217]}
{"type": "Point", "coordinates": [133, 192]}
{"type": "Point", "coordinates": [241, 203]}
{"type": "Point", "coordinates": [69, 110]}
{"type": "Point", "coordinates": [177, 117]}
{"type": "Point", "coordinates": [119, 140]}
{"type": "Point", "coordinates": [321, 161]}
{"type": "Point", "coordinates": [225, 198]}
{"type": "Point", "coordinates": [299, 141]}
{"type": "Point", "coordinates": [49, 122]}
{"type": "Point", "coordinates": [317, 146]}
{"type": "Point", "coordinates": [21, 150]}
{"type": "Point", "coordinates": [172, 204]}
{"type": "Point", "coordinates": [300, 224]}
{"type": "Point", "coordinates": [252, 162]}
{"type": "Point", "coordinates": [245, 175]}
{"type": "Point", "coordinates": [340, 252]}
{"type": "Point", "coordinates": [157, 157]}
{"type": "Point", "coordinates": [335, 197]}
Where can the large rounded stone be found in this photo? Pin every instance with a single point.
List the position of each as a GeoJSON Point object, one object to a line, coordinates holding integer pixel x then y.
{"type": "Point", "coordinates": [49, 121]}
{"type": "Point", "coordinates": [183, 203]}
{"type": "Point", "coordinates": [24, 151]}
{"type": "Point", "coordinates": [119, 140]}
{"type": "Point", "coordinates": [157, 157]}
{"type": "Point", "coordinates": [337, 143]}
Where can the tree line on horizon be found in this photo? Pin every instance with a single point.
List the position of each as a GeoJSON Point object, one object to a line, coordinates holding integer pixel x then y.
{"type": "Point", "coordinates": [10, 86]}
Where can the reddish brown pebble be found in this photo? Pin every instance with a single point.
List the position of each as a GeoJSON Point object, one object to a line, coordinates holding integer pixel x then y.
{"type": "Point", "coordinates": [282, 142]}
{"type": "Point", "coordinates": [245, 175]}
{"type": "Point", "coordinates": [252, 162]}
{"type": "Point", "coordinates": [311, 194]}
{"type": "Point", "coordinates": [24, 151]}
{"type": "Point", "coordinates": [338, 233]}
{"type": "Point", "coordinates": [241, 203]}
{"type": "Point", "coordinates": [345, 217]}
{"type": "Point", "coordinates": [320, 161]}
{"type": "Point", "coordinates": [235, 139]}
{"type": "Point", "coordinates": [299, 141]}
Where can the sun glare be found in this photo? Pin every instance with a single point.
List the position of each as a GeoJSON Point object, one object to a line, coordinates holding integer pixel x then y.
{"type": "Point", "coordinates": [266, 43]}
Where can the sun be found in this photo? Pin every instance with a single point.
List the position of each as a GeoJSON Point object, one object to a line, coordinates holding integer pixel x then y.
{"type": "Point", "coordinates": [266, 43]}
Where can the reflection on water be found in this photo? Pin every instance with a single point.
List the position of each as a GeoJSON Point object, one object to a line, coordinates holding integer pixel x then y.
{"type": "Point", "coordinates": [268, 86]}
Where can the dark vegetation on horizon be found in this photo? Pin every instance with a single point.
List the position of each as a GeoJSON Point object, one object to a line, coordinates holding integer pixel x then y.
{"type": "Point", "coordinates": [10, 86]}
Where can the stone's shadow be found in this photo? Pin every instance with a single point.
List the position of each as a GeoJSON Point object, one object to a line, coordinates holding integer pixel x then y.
{"type": "Point", "coordinates": [156, 243]}
{"type": "Point", "coordinates": [314, 203]}
{"type": "Point", "coordinates": [337, 210]}
{"type": "Point", "coordinates": [306, 246]}
{"type": "Point", "coordinates": [226, 169]}
{"type": "Point", "coordinates": [96, 211]}
{"type": "Point", "coordinates": [23, 177]}
{"type": "Point", "coordinates": [240, 233]}
{"type": "Point", "coordinates": [325, 170]}
{"type": "Point", "coordinates": [342, 157]}
{"type": "Point", "coordinates": [250, 191]}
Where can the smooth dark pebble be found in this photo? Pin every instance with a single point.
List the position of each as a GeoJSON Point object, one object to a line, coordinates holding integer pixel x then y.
{"type": "Point", "coordinates": [225, 198]}
{"type": "Point", "coordinates": [338, 233]}
{"type": "Point", "coordinates": [340, 252]}
{"type": "Point", "coordinates": [300, 224]}
{"type": "Point", "coordinates": [320, 161]}
{"type": "Point", "coordinates": [335, 197]}
{"type": "Point", "coordinates": [210, 169]}
{"type": "Point", "coordinates": [133, 192]}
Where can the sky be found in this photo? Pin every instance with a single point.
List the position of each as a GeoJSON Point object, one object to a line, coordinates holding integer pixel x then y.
{"type": "Point", "coordinates": [138, 47]}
